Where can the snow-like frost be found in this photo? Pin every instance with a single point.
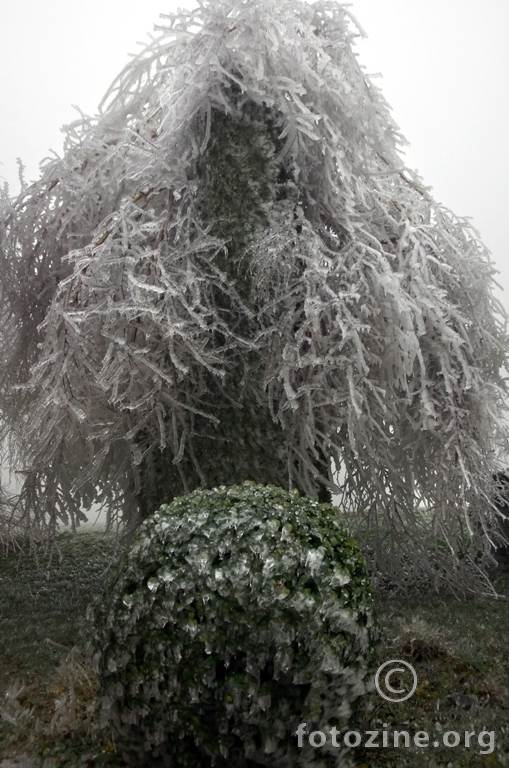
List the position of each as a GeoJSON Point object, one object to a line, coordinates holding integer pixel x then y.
{"type": "Point", "coordinates": [346, 321]}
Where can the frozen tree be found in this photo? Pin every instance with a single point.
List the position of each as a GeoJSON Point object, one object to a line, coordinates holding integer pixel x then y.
{"type": "Point", "coordinates": [230, 274]}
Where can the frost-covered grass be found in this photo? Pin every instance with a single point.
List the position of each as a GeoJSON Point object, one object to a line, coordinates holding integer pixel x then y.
{"type": "Point", "coordinates": [457, 648]}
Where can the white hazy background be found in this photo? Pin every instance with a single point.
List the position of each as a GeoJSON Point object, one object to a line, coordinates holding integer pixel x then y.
{"type": "Point", "coordinates": [444, 67]}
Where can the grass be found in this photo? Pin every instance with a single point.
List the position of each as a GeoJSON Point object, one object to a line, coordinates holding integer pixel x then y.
{"type": "Point", "coordinates": [48, 690]}
{"type": "Point", "coordinates": [458, 649]}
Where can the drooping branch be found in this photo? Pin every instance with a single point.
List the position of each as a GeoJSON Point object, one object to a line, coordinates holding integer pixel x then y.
{"type": "Point", "coordinates": [231, 275]}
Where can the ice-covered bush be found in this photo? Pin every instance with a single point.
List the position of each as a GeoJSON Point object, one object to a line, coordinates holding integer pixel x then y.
{"type": "Point", "coordinates": [237, 614]}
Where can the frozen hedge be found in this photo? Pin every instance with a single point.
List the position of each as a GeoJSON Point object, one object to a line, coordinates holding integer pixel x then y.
{"type": "Point", "coordinates": [237, 614]}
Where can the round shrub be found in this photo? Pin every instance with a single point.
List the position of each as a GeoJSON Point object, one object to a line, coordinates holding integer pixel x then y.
{"type": "Point", "coordinates": [236, 614]}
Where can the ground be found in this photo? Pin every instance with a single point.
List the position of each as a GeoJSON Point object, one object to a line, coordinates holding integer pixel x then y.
{"type": "Point", "coordinates": [47, 688]}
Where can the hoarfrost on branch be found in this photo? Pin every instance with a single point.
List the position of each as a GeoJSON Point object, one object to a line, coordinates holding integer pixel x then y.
{"type": "Point", "coordinates": [230, 274]}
